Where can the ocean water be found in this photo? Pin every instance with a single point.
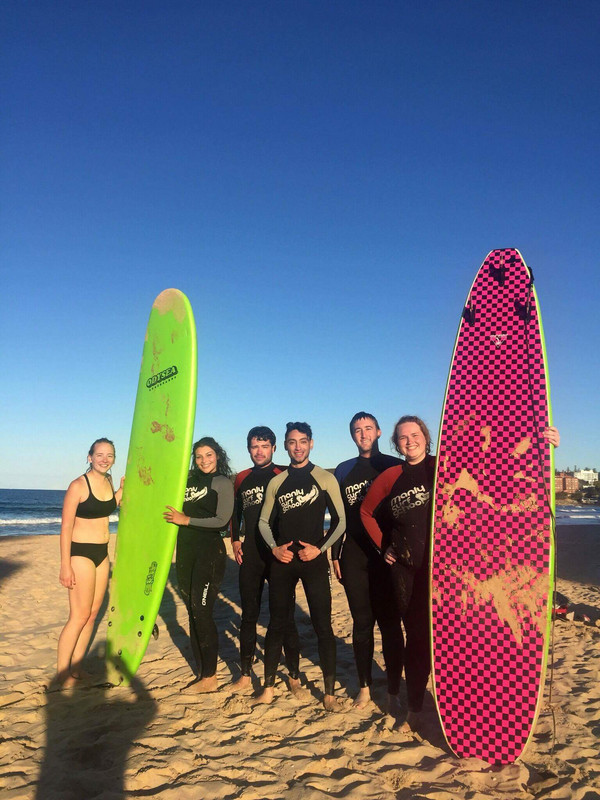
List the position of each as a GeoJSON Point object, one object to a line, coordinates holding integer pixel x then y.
{"type": "Point", "coordinates": [25, 512]}
{"type": "Point", "coordinates": [33, 511]}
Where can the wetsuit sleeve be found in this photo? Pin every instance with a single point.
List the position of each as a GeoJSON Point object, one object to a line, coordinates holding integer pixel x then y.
{"type": "Point", "coordinates": [264, 523]}
{"type": "Point", "coordinates": [236, 520]}
{"type": "Point", "coordinates": [224, 489]}
{"type": "Point", "coordinates": [378, 491]}
{"type": "Point", "coordinates": [336, 508]}
{"type": "Point", "coordinates": [336, 548]}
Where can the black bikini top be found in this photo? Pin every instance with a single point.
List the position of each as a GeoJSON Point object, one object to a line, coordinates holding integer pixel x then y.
{"type": "Point", "coordinates": [92, 508]}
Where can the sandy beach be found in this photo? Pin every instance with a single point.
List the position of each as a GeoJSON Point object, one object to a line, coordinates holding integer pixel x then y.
{"type": "Point", "coordinates": [152, 740]}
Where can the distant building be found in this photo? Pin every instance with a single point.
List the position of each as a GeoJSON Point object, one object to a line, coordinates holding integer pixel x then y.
{"type": "Point", "coordinates": [588, 476]}
{"type": "Point", "coordinates": [566, 482]}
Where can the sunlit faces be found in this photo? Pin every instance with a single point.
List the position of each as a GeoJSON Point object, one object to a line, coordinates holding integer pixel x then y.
{"type": "Point", "coordinates": [102, 458]}
{"type": "Point", "coordinates": [261, 451]}
{"type": "Point", "coordinates": [412, 443]}
{"type": "Point", "coordinates": [206, 459]}
{"type": "Point", "coordinates": [298, 446]}
{"type": "Point", "coordinates": [365, 433]}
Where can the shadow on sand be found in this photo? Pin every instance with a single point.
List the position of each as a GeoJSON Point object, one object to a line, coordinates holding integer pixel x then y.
{"type": "Point", "coordinates": [89, 735]}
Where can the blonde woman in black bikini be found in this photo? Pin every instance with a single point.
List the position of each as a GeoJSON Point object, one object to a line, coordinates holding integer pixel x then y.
{"type": "Point", "coordinates": [84, 564]}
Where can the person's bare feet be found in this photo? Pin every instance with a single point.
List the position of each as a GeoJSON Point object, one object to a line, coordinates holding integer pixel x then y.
{"type": "Point", "coordinates": [62, 684]}
{"type": "Point", "coordinates": [411, 723]}
{"type": "Point", "coordinates": [81, 675]}
{"type": "Point", "coordinates": [202, 685]}
{"type": "Point", "coordinates": [331, 703]}
{"type": "Point", "coordinates": [243, 683]}
{"type": "Point", "coordinates": [363, 698]}
{"type": "Point", "coordinates": [295, 687]}
{"type": "Point", "coordinates": [266, 696]}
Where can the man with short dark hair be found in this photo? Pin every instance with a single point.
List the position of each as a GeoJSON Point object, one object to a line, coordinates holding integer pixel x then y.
{"type": "Point", "coordinates": [292, 525]}
{"type": "Point", "coordinates": [254, 556]}
{"type": "Point", "coordinates": [361, 569]}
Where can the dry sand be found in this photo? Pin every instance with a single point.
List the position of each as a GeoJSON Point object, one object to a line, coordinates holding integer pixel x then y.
{"type": "Point", "coordinates": [151, 740]}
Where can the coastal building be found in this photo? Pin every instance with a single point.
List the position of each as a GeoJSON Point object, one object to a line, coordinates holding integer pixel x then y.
{"type": "Point", "coordinates": [588, 476]}
{"type": "Point", "coordinates": [566, 482]}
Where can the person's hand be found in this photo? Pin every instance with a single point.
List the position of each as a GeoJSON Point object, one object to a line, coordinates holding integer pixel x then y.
{"type": "Point", "coordinates": [337, 570]}
{"type": "Point", "coordinates": [390, 555]}
{"type": "Point", "coordinates": [551, 435]}
{"type": "Point", "coordinates": [283, 553]}
{"type": "Point", "coordinates": [67, 576]}
{"type": "Point", "coordinates": [122, 483]}
{"type": "Point", "coordinates": [237, 552]}
{"type": "Point", "coordinates": [176, 517]}
{"type": "Point", "coordinates": [308, 552]}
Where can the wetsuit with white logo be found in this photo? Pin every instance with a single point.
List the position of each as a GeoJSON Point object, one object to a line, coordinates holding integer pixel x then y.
{"type": "Point", "coordinates": [398, 506]}
{"type": "Point", "coordinates": [201, 558]}
{"type": "Point", "coordinates": [294, 511]}
{"type": "Point", "coordinates": [250, 485]}
{"type": "Point", "coordinates": [365, 576]}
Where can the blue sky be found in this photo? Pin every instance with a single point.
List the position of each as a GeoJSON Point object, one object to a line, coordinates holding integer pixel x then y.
{"type": "Point", "coordinates": [322, 179]}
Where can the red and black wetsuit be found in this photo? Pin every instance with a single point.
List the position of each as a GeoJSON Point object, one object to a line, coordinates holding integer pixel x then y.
{"type": "Point", "coordinates": [250, 485]}
{"type": "Point", "coordinates": [398, 506]}
{"type": "Point", "coordinates": [366, 578]}
{"type": "Point", "coordinates": [294, 511]}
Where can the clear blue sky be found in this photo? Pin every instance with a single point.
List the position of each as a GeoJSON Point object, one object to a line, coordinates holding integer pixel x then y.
{"type": "Point", "coordinates": [322, 178]}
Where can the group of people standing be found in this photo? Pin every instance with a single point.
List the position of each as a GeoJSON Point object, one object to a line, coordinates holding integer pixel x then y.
{"type": "Point", "coordinates": [379, 507]}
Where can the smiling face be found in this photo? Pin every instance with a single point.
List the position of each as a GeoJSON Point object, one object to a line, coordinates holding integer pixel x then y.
{"type": "Point", "coordinates": [102, 458]}
{"type": "Point", "coordinates": [365, 434]}
{"type": "Point", "coordinates": [298, 446]}
{"type": "Point", "coordinates": [205, 459]}
{"type": "Point", "coordinates": [411, 442]}
{"type": "Point", "coordinates": [261, 451]}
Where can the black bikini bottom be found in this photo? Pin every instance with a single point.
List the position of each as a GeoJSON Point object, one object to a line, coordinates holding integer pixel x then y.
{"type": "Point", "coordinates": [95, 552]}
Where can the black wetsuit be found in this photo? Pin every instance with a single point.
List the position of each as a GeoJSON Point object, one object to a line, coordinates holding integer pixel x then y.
{"type": "Point", "coordinates": [366, 578]}
{"type": "Point", "coordinates": [201, 559]}
{"type": "Point", "coordinates": [294, 510]}
{"type": "Point", "coordinates": [250, 485]}
{"type": "Point", "coordinates": [399, 504]}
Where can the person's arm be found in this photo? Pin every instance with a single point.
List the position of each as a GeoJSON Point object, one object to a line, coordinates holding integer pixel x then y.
{"type": "Point", "coordinates": [378, 491]}
{"type": "Point", "coordinates": [70, 503]}
{"type": "Point", "coordinates": [119, 492]}
{"type": "Point", "coordinates": [280, 552]}
{"type": "Point", "coordinates": [224, 489]}
{"type": "Point", "coordinates": [264, 522]}
{"type": "Point", "coordinates": [236, 519]}
{"type": "Point", "coordinates": [335, 504]}
{"type": "Point", "coordinates": [336, 548]}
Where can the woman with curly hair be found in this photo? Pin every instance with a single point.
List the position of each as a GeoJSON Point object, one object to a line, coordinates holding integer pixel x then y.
{"type": "Point", "coordinates": [201, 555]}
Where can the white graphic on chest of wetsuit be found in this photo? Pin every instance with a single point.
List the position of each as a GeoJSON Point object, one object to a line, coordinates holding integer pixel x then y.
{"type": "Point", "coordinates": [252, 497]}
{"type": "Point", "coordinates": [297, 498]}
{"type": "Point", "coordinates": [401, 503]}
{"type": "Point", "coordinates": [191, 493]}
{"type": "Point", "coordinates": [356, 492]}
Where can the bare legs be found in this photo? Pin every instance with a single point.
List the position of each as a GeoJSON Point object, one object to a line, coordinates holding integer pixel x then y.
{"type": "Point", "coordinates": [85, 599]}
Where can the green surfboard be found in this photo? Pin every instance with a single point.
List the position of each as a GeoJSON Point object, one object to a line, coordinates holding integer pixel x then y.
{"type": "Point", "coordinates": [156, 474]}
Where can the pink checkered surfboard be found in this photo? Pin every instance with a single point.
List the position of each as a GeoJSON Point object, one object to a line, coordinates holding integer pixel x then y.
{"type": "Point", "coordinates": [492, 556]}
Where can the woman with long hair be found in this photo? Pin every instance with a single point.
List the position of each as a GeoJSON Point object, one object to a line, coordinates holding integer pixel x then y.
{"type": "Point", "coordinates": [84, 565]}
{"type": "Point", "coordinates": [201, 554]}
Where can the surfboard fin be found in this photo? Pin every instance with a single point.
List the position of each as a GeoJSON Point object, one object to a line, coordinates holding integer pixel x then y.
{"type": "Point", "coordinates": [468, 314]}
